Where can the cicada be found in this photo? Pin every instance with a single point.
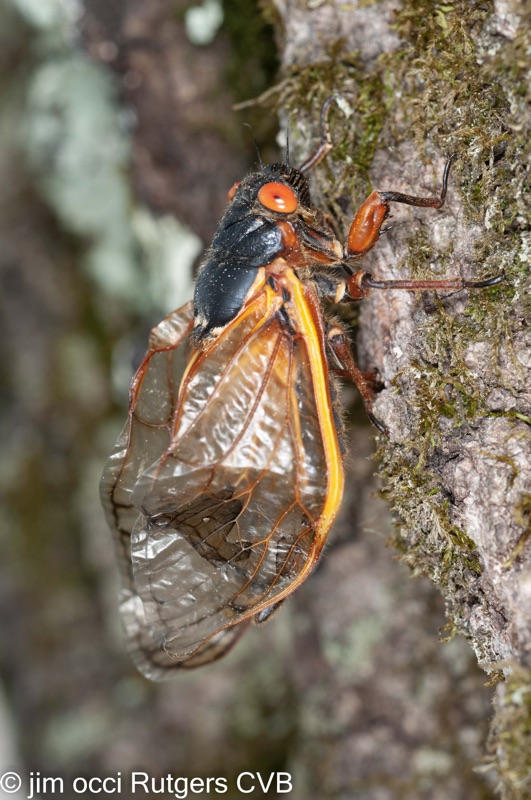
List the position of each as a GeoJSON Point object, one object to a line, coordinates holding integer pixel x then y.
{"type": "Point", "coordinates": [228, 475]}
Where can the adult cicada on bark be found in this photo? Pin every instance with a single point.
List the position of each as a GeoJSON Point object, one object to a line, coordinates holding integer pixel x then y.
{"type": "Point", "coordinates": [228, 475]}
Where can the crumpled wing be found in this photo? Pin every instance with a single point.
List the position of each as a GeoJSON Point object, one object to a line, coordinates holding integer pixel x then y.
{"type": "Point", "coordinates": [153, 396]}
{"type": "Point", "coordinates": [221, 484]}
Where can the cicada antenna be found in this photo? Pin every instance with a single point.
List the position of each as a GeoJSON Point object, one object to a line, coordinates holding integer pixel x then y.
{"type": "Point", "coordinates": [261, 163]}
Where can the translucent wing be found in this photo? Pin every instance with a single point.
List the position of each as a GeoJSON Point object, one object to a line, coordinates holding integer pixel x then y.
{"type": "Point", "coordinates": [221, 489]}
{"type": "Point", "coordinates": [153, 395]}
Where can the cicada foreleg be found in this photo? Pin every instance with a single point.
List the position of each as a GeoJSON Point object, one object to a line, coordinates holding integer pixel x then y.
{"type": "Point", "coordinates": [366, 226]}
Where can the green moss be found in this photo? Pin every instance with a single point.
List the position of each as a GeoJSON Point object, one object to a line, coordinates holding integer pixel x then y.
{"type": "Point", "coordinates": [522, 514]}
{"type": "Point", "coordinates": [442, 56]}
{"type": "Point", "coordinates": [426, 539]}
{"type": "Point", "coordinates": [510, 742]}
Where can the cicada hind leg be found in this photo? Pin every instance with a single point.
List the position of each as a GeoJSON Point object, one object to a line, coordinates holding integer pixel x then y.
{"type": "Point", "coordinates": [366, 382]}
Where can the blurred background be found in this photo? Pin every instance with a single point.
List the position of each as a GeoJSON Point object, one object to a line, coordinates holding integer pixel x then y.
{"type": "Point", "coordinates": [118, 144]}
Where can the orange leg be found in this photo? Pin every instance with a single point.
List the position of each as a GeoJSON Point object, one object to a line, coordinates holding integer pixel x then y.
{"type": "Point", "coordinates": [366, 226]}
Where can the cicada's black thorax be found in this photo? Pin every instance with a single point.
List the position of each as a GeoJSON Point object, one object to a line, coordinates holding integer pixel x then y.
{"type": "Point", "coordinates": [247, 238]}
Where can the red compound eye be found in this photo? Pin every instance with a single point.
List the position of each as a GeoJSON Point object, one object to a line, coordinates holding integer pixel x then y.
{"type": "Point", "coordinates": [278, 197]}
{"type": "Point", "coordinates": [232, 191]}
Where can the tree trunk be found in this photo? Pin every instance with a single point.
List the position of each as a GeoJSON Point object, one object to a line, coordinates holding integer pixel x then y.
{"type": "Point", "coordinates": [415, 84]}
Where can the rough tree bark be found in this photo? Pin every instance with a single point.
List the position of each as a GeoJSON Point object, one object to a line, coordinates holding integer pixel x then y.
{"type": "Point", "coordinates": [415, 83]}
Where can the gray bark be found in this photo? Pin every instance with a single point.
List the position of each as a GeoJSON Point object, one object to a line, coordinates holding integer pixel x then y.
{"type": "Point", "coordinates": [455, 367]}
